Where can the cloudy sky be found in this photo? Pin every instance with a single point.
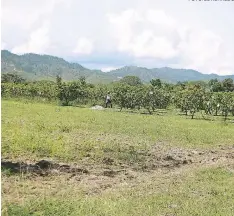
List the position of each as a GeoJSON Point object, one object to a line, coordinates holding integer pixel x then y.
{"type": "Point", "coordinates": [107, 34]}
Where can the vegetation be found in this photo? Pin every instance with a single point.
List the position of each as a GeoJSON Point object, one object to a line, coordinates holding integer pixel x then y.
{"type": "Point", "coordinates": [44, 67]}
{"type": "Point", "coordinates": [226, 85]}
{"type": "Point", "coordinates": [201, 192]}
{"type": "Point", "coordinates": [31, 131]}
{"type": "Point", "coordinates": [156, 83]}
{"type": "Point", "coordinates": [131, 80]}
{"type": "Point", "coordinates": [68, 133]}
{"type": "Point", "coordinates": [135, 163]}
{"type": "Point", "coordinates": [12, 78]}
{"type": "Point", "coordinates": [130, 93]}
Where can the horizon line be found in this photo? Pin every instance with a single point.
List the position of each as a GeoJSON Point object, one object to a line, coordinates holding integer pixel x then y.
{"type": "Point", "coordinates": [72, 62]}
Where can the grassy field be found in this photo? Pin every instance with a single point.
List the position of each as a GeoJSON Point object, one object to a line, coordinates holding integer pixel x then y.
{"type": "Point", "coordinates": [203, 192]}
{"type": "Point", "coordinates": [34, 131]}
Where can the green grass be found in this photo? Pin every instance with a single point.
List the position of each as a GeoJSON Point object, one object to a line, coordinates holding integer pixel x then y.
{"type": "Point", "coordinates": [204, 192]}
{"type": "Point", "coordinates": [35, 130]}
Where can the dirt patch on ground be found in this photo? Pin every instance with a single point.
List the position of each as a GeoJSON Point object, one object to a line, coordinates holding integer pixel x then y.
{"type": "Point", "coordinates": [109, 174]}
{"type": "Point", "coordinates": [171, 157]}
{"type": "Point", "coordinates": [42, 167]}
{"type": "Point", "coordinates": [157, 157]}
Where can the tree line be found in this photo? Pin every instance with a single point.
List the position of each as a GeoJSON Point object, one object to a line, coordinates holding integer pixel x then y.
{"type": "Point", "coordinates": [212, 98]}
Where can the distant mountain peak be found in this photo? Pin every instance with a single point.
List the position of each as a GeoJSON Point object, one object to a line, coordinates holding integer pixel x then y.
{"type": "Point", "coordinates": [35, 67]}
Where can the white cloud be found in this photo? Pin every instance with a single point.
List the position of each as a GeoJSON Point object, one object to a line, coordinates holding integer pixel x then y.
{"type": "Point", "coordinates": [123, 25]}
{"type": "Point", "coordinates": [144, 34]}
{"type": "Point", "coordinates": [154, 33]}
{"type": "Point", "coordinates": [225, 71]}
{"type": "Point", "coordinates": [26, 12]}
{"type": "Point", "coordinates": [148, 45]}
{"type": "Point", "coordinates": [38, 42]}
{"type": "Point", "coordinates": [108, 69]}
{"type": "Point", "coordinates": [205, 51]}
{"type": "Point", "coordinates": [83, 46]}
{"type": "Point", "coordinates": [160, 17]}
{"type": "Point", "coordinates": [3, 45]}
{"type": "Point", "coordinates": [201, 46]}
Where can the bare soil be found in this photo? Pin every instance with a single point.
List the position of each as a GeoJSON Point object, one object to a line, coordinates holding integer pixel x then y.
{"type": "Point", "coordinates": [159, 160]}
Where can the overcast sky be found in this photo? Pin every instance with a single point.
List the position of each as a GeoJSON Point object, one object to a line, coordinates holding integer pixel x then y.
{"type": "Point", "coordinates": [107, 34]}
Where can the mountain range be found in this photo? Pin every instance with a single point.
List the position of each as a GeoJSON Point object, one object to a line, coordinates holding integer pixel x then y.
{"type": "Point", "coordinates": [37, 67]}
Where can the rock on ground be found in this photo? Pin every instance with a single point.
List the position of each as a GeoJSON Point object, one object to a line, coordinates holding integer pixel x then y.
{"type": "Point", "coordinates": [97, 107]}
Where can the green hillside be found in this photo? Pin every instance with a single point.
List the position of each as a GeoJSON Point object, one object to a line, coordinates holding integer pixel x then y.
{"type": "Point", "coordinates": [166, 74]}
{"type": "Point", "coordinates": [36, 67]}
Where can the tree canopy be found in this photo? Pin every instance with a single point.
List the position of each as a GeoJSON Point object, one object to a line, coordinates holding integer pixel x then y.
{"type": "Point", "coordinates": [131, 80]}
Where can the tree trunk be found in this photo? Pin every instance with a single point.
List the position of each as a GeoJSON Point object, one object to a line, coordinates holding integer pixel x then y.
{"type": "Point", "coordinates": [225, 117]}
{"type": "Point", "coordinates": [192, 114]}
{"type": "Point", "coordinates": [149, 111]}
{"type": "Point", "coordinates": [216, 111]}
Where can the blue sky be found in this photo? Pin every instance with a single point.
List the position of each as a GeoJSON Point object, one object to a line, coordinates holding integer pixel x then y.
{"type": "Point", "coordinates": [107, 34]}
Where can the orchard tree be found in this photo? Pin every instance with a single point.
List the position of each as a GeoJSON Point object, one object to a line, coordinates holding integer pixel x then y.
{"type": "Point", "coordinates": [70, 91]}
{"type": "Point", "coordinates": [131, 80]}
{"type": "Point", "coordinates": [215, 102]}
{"type": "Point", "coordinates": [156, 83]}
{"type": "Point", "coordinates": [121, 91]}
{"type": "Point", "coordinates": [215, 85]}
{"type": "Point", "coordinates": [227, 102]}
{"type": "Point", "coordinates": [12, 78]}
{"type": "Point", "coordinates": [228, 85]}
{"type": "Point", "coordinates": [191, 100]}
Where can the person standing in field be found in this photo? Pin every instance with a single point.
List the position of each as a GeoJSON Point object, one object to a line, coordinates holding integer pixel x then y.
{"type": "Point", "coordinates": [108, 99]}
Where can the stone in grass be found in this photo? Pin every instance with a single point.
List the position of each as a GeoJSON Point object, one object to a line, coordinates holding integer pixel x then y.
{"type": "Point", "coordinates": [97, 107]}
